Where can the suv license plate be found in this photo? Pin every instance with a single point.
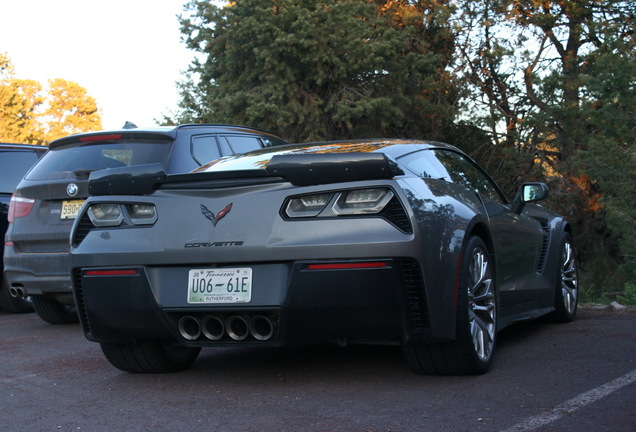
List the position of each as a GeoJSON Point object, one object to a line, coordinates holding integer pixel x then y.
{"type": "Point", "coordinates": [220, 285]}
{"type": "Point", "coordinates": [70, 209]}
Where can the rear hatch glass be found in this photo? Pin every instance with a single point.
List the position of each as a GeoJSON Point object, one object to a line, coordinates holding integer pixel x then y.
{"type": "Point", "coordinates": [77, 161]}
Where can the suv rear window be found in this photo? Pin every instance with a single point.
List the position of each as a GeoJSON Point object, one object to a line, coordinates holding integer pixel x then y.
{"type": "Point", "coordinates": [13, 165]}
{"type": "Point", "coordinates": [77, 161]}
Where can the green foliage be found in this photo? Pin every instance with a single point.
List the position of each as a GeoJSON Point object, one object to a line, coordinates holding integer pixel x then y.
{"type": "Point", "coordinates": [545, 91]}
{"type": "Point", "coordinates": [629, 295]}
{"type": "Point", "coordinates": [610, 155]}
{"type": "Point", "coordinates": [325, 69]}
{"type": "Point", "coordinates": [553, 83]}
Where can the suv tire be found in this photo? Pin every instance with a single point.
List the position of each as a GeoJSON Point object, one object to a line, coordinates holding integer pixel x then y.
{"type": "Point", "coordinates": [54, 312]}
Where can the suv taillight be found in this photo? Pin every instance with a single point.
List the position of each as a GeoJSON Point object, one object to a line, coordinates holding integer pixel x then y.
{"type": "Point", "coordinates": [19, 207]}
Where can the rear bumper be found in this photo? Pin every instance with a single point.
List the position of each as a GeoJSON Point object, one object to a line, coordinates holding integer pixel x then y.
{"type": "Point", "coordinates": [291, 304]}
{"type": "Point", "coordinates": [38, 274]}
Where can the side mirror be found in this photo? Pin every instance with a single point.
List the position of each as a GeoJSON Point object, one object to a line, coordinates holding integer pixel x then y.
{"type": "Point", "coordinates": [529, 192]}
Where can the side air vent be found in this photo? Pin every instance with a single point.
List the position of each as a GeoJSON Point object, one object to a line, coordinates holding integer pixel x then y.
{"type": "Point", "coordinates": [415, 295]}
{"type": "Point", "coordinates": [395, 213]}
{"type": "Point", "coordinates": [79, 297]}
{"type": "Point", "coordinates": [544, 247]}
{"type": "Point", "coordinates": [83, 228]}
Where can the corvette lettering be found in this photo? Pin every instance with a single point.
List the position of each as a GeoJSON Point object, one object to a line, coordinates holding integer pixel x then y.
{"type": "Point", "coordinates": [213, 244]}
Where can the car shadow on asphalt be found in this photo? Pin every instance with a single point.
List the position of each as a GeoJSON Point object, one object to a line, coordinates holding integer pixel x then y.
{"type": "Point", "coordinates": [327, 360]}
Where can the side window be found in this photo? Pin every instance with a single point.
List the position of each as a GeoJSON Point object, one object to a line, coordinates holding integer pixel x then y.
{"type": "Point", "coordinates": [242, 144]}
{"type": "Point", "coordinates": [225, 146]}
{"type": "Point", "coordinates": [423, 164]}
{"type": "Point", "coordinates": [13, 166]}
{"type": "Point", "coordinates": [462, 171]}
{"type": "Point", "coordinates": [270, 142]}
{"type": "Point", "coordinates": [205, 149]}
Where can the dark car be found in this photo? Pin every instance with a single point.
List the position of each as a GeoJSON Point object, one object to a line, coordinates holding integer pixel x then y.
{"type": "Point", "coordinates": [47, 200]}
{"type": "Point", "coordinates": [15, 161]}
{"type": "Point", "coordinates": [380, 241]}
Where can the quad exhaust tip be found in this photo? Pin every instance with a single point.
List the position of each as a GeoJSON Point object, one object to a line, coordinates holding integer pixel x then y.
{"type": "Point", "coordinates": [213, 328]}
{"type": "Point", "coordinates": [236, 327]}
{"type": "Point", "coordinates": [189, 327]}
{"type": "Point", "coordinates": [261, 327]}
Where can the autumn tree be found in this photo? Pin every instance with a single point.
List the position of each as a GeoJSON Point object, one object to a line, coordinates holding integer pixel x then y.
{"type": "Point", "coordinates": [19, 103]}
{"type": "Point", "coordinates": [69, 110]}
{"type": "Point", "coordinates": [323, 69]}
{"type": "Point", "coordinates": [29, 114]}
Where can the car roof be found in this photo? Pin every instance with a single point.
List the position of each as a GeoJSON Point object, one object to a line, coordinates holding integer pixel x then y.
{"type": "Point", "coordinates": [158, 132]}
{"type": "Point", "coordinates": [13, 146]}
{"type": "Point", "coordinates": [392, 147]}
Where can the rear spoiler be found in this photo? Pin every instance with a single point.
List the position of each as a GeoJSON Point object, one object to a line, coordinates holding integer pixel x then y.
{"type": "Point", "coordinates": [322, 168]}
{"type": "Point", "coordinates": [129, 180]}
{"type": "Point", "coordinates": [299, 169]}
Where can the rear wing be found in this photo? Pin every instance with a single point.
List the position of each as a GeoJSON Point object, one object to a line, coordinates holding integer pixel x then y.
{"type": "Point", "coordinates": [299, 169]}
{"type": "Point", "coordinates": [323, 168]}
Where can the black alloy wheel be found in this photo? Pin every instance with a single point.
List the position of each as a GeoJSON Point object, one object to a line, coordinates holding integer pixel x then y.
{"type": "Point", "coordinates": [566, 296]}
{"type": "Point", "coordinates": [472, 351]}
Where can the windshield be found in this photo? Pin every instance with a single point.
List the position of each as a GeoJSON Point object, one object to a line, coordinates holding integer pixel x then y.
{"type": "Point", "coordinates": [77, 161]}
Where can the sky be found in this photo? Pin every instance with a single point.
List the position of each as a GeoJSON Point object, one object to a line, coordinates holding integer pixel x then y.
{"type": "Point", "coordinates": [127, 54]}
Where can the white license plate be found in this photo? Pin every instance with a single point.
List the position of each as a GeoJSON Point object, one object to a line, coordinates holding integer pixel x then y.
{"type": "Point", "coordinates": [220, 285]}
{"type": "Point", "coordinates": [70, 209]}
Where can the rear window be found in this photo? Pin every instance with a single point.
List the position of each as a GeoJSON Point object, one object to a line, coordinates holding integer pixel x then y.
{"type": "Point", "coordinates": [243, 144]}
{"type": "Point", "coordinates": [13, 166]}
{"type": "Point", "coordinates": [77, 161]}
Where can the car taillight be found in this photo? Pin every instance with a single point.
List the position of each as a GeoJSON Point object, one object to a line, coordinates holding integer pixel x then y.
{"type": "Point", "coordinates": [308, 205]}
{"type": "Point", "coordinates": [107, 137]}
{"type": "Point", "coordinates": [363, 201]}
{"type": "Point", "coordinates": [19, 207]}
{"type": "Point", "coordinates": [103, 215]}
{"type": "Point", "coordinates": [367, 201]}
{"type": "Point", "coordinates": [114, 214]}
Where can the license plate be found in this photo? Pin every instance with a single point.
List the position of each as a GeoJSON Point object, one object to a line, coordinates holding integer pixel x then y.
{"type": "Point", "coordinates": [215, 286]}
{"type": "Point", "coordinates": [70, 209]}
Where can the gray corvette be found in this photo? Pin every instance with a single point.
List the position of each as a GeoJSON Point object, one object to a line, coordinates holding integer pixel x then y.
{"type": "Point", "coordinates": [377, 241]}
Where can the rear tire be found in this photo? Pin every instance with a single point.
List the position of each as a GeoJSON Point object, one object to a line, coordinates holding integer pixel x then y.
{"type": "Point", "coordinates": [566, 296]}
{"type": "Point", "coordinates": [10, 304]}
{"type": "Point", "coordinates": [150, 356]}
{"type": "Point", "coordinates": [472, 350]}
{"type": "Point", "coordinates": [54, 312]}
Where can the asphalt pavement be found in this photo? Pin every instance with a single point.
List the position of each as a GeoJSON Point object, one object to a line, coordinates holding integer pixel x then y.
{"type": "Point", "coordinates": [574, 377]}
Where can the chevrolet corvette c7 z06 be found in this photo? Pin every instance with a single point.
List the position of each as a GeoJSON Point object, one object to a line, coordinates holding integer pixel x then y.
{"type": "Point", "coordinates": [374, 241]}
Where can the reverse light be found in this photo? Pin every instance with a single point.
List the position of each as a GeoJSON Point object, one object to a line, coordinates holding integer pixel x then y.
{"type": "Point", "coordinates": [362, 201]}
{"type": "Point", "coordinates": [19, 207]}
{"type": "Point", "coordinates": [308, 205]}
{"type": "Point", "coordinates": [142, 214]}
{"type": "Point", "coordinates": [103, 215]}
